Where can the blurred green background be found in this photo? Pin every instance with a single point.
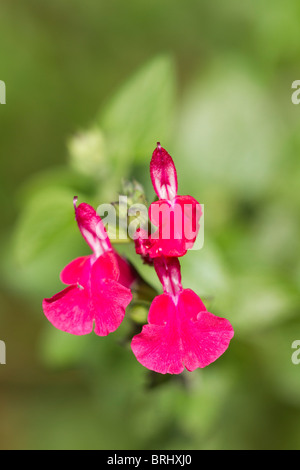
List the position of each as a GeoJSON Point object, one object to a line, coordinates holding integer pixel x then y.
{"type": "Point", "coordinates": [91, 87]}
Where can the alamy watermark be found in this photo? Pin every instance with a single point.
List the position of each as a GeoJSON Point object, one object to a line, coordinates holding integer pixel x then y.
{"type": "Point", "coordinates": [296, 354]}
{"type": "Point", "coordinates": [296, 94]}
{"type": "Point", "coordinates": [168, 221]}
{"type": "Point", "coordinates": [2, 352]}
{"type": "Point", "coordinates": [2, 92]}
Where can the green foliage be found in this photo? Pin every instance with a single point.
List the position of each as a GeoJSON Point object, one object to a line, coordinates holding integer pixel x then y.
{"type": "Point", "coordinates": [222, 107]}
{"type": "Point", "coordinates": [47, 215]}
{"type": "Point", "coordinates": [142, 109]}
{"type": "Point", "coordinates": [225, 108]}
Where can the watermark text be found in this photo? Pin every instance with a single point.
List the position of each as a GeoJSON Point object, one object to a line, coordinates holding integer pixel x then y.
{"type": "Point", "coordinates": [163, 221]}
{"type": "Point", "coordinates": [296, 354]}
{"type": "Point", "coordinates": [2, 92]}
{"type": "Point", "coordinates": [2, 352]}
{"type": "Point", "coordinates": [296, 94]}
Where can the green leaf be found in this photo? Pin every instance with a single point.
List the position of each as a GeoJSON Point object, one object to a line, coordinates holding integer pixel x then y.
{"type": "Point", "coordinates": [47, 216]}
{"type": "Point", "coordinates": [229, 133]}
{"type": "Point", "coordinates": [141, 113]}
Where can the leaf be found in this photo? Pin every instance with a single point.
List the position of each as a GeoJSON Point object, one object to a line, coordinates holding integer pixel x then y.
{"type": "Point", "coordinates": [46, 217]}
{"type": "Point", "coordinates": [141, 113]}
{"type": "Point", "coordinates": [229, 133]}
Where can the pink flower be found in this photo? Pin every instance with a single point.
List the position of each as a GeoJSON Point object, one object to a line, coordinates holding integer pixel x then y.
{"type": "Point", "coordinates": [143, 245]}
{"type": "Point", "coordinates": [180, 332]}
{"type": "Point", "coordinates": [95, 294]}
{"type": "Point", "coordinates": [176, 217]}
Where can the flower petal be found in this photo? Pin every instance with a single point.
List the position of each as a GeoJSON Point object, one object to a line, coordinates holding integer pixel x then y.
{"type": "Point", "coordinates": [105, 267]}
{"type": "Point", "coordinates": [92, 229]}
{"type": "Point", "coordinates": [163, 174]}
{"type": "Point", "coordinates": [205, 337]}
{"type": "Point", "coordinates": [167, 240]}
{"type": "Point", "coordinates": [192, 304]}
{"type": "Point", "coordinates": [191, 212]}
{"type": "Point", "coordinates": [204, 341]}
{"type": "Point", "coordinates": [69, 311]}
{"type": "Point", "coordinates": [77, 272]}
{"type": "Point", "coordinates": [109, 301]}
{"type": "Point", "coordinates": [181, 333]}
{"type": "Point", "coordinates": [128, 274]}
{"type": "Point", "coordinates": [155, 350]}
{"type": "Point", "coordinates": [143, 245]}
{"type": "Point", "coordinates": [157, 347]}
{"type": "Point", "coordinates": [161, 310]}
{"type": "Point", "coordinates": [177, 225]}
{"type": "Point", "coordinates": [169, 248]}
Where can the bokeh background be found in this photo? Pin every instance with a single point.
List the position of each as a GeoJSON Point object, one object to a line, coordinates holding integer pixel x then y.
{"type": "Point", "coordinates": [91, 87]}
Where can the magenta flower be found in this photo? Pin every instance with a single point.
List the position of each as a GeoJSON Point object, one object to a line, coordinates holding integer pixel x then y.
{"type": "Point", "coordinates": [98, 285]}
{"type": "Point", "coordinates": [143, 245]}
{"type": "Point", "coordinates": [176, 217]}
{"type": "Point", "coordinates": [180, 332]}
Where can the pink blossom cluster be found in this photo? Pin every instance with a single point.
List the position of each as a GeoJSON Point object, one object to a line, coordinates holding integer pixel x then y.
{"type": "Point", "coordinates": [180, 332]}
